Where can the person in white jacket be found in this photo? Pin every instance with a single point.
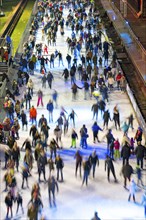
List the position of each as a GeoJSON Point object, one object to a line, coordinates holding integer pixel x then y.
{"type": "Point", "coordinates": [30, 86]}
{"type": "Point", "coordinates": [132, 190]}
{"type": "Point", "coordinates": [144, 203]}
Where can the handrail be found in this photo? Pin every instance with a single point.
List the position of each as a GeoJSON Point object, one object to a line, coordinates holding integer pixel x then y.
{"type": "Point", "coordinates": [2, 88]}
{"type": "Point", "coordinates": [10, 25]}
{"type": "Point", "coordinates": [129, 28]}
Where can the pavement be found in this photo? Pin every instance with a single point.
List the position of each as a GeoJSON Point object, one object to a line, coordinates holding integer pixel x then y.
{"type": "Point", "coordinates": [127, 29]}
{"type": "Point", "coordinates": [74, 201]}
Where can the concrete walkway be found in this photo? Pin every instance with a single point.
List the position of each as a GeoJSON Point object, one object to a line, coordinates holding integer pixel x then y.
{"type": "Point", "coordinates": [131, 44]}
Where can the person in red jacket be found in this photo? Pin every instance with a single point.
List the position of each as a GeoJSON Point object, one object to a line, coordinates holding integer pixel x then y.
{"type": "Point", "coordinates": [118, 79]}
{"type": "Point", "coordinates": [33, 115]}
{"type": "Point", "coordinates": [116, 149]}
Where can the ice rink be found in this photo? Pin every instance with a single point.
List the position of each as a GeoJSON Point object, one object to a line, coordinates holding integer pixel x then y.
{"type": "Point", "coordinates": [74, 201]}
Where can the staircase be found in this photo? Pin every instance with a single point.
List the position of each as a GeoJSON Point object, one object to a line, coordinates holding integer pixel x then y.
{"type": "Point", "coordinates": [3, 67]}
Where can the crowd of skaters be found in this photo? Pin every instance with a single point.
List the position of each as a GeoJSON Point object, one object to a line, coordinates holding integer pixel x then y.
{"type": "Point", "coordinates": [94, 84]}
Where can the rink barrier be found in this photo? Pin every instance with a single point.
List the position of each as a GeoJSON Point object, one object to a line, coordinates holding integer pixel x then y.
{"type": "Point", "coordinates": [134, 104]}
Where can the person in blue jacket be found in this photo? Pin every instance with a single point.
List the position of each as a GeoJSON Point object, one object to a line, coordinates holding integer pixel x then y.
{"type": "Point", "coordinates": [96, 129]}
{"type": "Point", "coordinates": [50, 108]}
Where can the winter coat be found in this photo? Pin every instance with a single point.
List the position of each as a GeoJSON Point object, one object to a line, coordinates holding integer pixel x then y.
{"type": "Point", "coordinates": [58, 132]}
{"type": "Point", "coordinates": [125, 140]}
{"type": "Point", "coordinates": [33, 130]}
{"type": "Point", "coordinates": [78, 157]}
{"type": "Point", "coordinates": [52, 184]}
{"type": "Point", "coordinates": [110, 137]}
{"type": "Point", "coordinates": [33, 113]}
{"type": "Point", "coordinates": [93, 158]}
{"type": "Point", "coordinates": [140, 151]}
{"type": "Point", "coordinates": [125, 153]}
{"type": "Point", "coordinates": [96, 128]}
{"type": "Point", "coordinates": [9, 201]}
{"type": "Point", "coordinates": [50, 107]}
{"type": "Point", "coordinates": [86, 166]}
{"type": "Point", "coordinates": [132, 187]}
{"type": "Point", "coordinates": [23, 118]}
{"type": "Point", "coordinates": [45, 130]}
{"type": "Point", "coordinates": [127, 170]}
{"type": "Point", "coordinates": [138, 135]}
{"type": "Point", "coordinates": [40, 93]}
{"type": "Point", "coordinates": [30, 84]}
{"type": "Point", "coordinates": [59, 163]}
{"type": "Point", "coordinates": [94, 108]}
{"type": "Point", "coordinates": [17, 108]}
{"type": "Point", "coordinates": [106, 116]}
{"type": "Point", "coordinates": [116, 145]}
{"type": "Point", "coordinates": [109, 164]}
{"type": "Point", "coordinates": [84, 132]}
{"type": "Point", "coordinates": [86, 86]}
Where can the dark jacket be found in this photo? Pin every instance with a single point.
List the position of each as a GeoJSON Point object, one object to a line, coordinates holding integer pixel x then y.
{"type": "Point", "coordinates": [59, 163]}
{"type": "Point", "coordinates": [140, 151]}
{"type": "Point", "coordinates": [127, 170]}
{"type": "Point", "coordinates": [50, 107]}
{"type": "Point", "coordinates": [109, 163]}
{"type": "Point", "coordinates": [125, 152]}
{"type": "Point", "coordinates": [9, 201]}
{"type": "Point", "coordinates": [52, 184]}
{"type": "Point", "coordinates": [106, 116]}
{"type": "Point", "coordinates": [95, 108]}
{"type": "Point", "coordinates": [94, 159]}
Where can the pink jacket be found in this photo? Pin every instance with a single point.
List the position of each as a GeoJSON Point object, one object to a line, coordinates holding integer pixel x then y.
{"type": "Point", "coordinates": [116, 145]}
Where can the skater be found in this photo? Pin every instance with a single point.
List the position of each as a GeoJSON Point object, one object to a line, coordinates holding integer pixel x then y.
{"type": "Point", "coordinates": [125, 153]}
{"type": "Point", "coordinates": [138, 135]}
{"type": "Point", "coordinates": [66, 124]}
{"type": "Point", "coordinates": [130, 121]}
{"type": "Point", "coordinates": [23, 118]}
{"type": "Point", "coordinates": [116, 117]}
{"type": "Point", "coordinates": [72, 117]}
{"type": "Point", "coordinates": [139, 175]}
{"type": "Point", "coordinates": [59, 166]}
{"type": "Point", "coordinates": [55, 97]}
{"type": "Point", "coordinates": [53, 148]}
{"type": "Point", "coordinates": [27, 98]}
{"type": "Point", "coordinates": [52, 186]}
{"type": "Point", "coordinates": [86, 168]}
{"type": "Point", "coordinates": [44, 79]}
{"type": "Point", "coordinates": [50, 78]}
{"type": "Point", "coordinates": [140, 152]}
{"type": "Point", "coordinates": [95, 130]}
{"type": "Point", "coordinates": [33, 115]}
{"type": "Point", "coordinates": [74, 136]}
{"type": "Point", "coordinates": [19, 202]}
{"type": "Point", "coordinates": [132, 190]}
{"type": "Point", "coordinates": [58, 134]}
{"type": "Point", "coordinates": [106, 118]}
{"type": "Point", "coordinates": [50, 108]}
{"type": "Point", "coordinates": [40, 98]}
{"type": "Point", "coordinates": [116, 149]}
{"type": "Point", "coordinates": [95, 108]}
{"type": "Point", "coordinates": [78, 158]}
{"type": "Point", "coordinates": [110, 139]}
{"type": "Point", "coordinates": [127, 171]}
{"type": "Point", "coordinates": [93, 158]}
{"type": "Point", "coordinates": [41, 163]}
{"type": "Point", "coordinates": [25, 172]}
{"type": "Point", "coordinates": [9, 203]}
{"type": "Point", "coordinates": [84, 136]}
{"type": "Point", "coordinates": [110, 167]}
{"type": "Point", "coordinates": [144, 203]}
{"type": "Point", "coordinates": [96, 216]}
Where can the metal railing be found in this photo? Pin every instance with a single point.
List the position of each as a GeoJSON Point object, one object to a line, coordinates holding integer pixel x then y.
{"type": "Point", "coordinates": [135, 38]}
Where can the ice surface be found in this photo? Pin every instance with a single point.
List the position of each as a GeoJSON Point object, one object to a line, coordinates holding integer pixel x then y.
{"type": "Point", "coordinates": [76, 202]}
